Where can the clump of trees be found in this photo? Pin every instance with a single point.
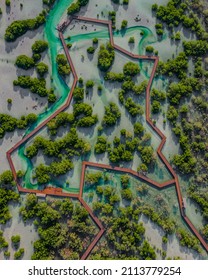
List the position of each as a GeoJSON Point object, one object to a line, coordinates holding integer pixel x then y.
{"type": "Point", "coordinates": [131, 40]}
{"type": "Point", "coordinates": [48, 2]}
{"type": "Point", "coordinates": [106, 57]}
{"type": "Point", "coordinates": [62, 151]}
{"type": "Point", "coordinates": [95, 41]}
{"type": "Point", "coordinates": [133, 108]}
{"type": "Point", "coordinates": [123, 149]}
{"type": "Point", "coordinates": [20, 27]}
{"type": "Point", "coordinates": [39, 46]}
{"type": "Point", "coordinates": [171, 14]}
{"type": "Point", "coordinates": [36, 85]}
{"type": "Point", "coordinates": [9, 123]}
{"type": "Point", "coordinates": [188, 240]}
{"type": "Point", "coordinates": [62, 119]}
{"type": "Point", "coordinates": [24, 62]}
{"type": "Point", "coordinates": [124, 24]}
{"type": "Point", "coordinates": [83, 115]}
{"type": "Point", "coordinates": [93, 178]}
{"type": "Point", "coordinates": [75, 7]}
{"type": "Point", "coordinates": [149, 49]}
{"type": "Point", "coordinates": [112, 16]}
{"type": "Point", "coordinates": [101, 145]}
{"type": "Point", "coordinates": [125, 236]}
{"type": "Point", "coordinates": [204, 232]}
{"type": "Point", "coordinates": [125, 180]}
{"type": "Point", "coordinates": [78, 94]}
{"type": "Point", "coordinates": [163, 220]}
{"type": "Point", "coordinates": [19, 254]}
{"type": "Point", "coordinates": [114, 77]}
{"type": "Point", "coordinates": [138, 128]}
{"type": "Point", "coordinates": [157, 97]}
{"type": "Point", "coordinates": [199, 197]}
{"type": "Point", "coordinates": [62, 65]}
{"type": "Point", "coordinates": [195, 48]}
{"type": "Point", "coordinates": [147, 154]}
{"type": "Point", "coordinates": [61, 225]}
{"type": "Point", "coordinates": [131, 69]}
{"type": "Point", "coordinates": [184, 88]}
{"type": "Point", "coordinates": [42, 68]}
{"type": "Point", "coordinates": [112, 115]}
{"type": "Point", "coordinates": [177, 12]}
{"type": "Point", "coordinates": [3, 243]}
{"type": "Point", "coordinates": [91, 50]}
{"type": "Point", "coordinates": [177, 66]}
{"type": "Point", "coordinates": [15, 241]}
{"type": "Point", "coordinates": [7, 195]}
{"type": "Point", "coordinates": [159, 28]}
{"type": "Point", "coordinates": [90, 84]}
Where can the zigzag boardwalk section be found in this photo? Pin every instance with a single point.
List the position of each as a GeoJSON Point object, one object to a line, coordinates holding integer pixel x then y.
{"type": "Point", "coordinates": [58, 191]}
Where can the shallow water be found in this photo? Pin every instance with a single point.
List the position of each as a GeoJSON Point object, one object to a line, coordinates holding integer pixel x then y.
{"type": "Point", "coordinates": [54, 48]}
{"type": "Point", "coordinates": [51, 36]}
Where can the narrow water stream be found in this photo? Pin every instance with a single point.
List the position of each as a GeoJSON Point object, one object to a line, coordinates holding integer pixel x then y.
{"type": "Point", "coordinates": [51, 35]}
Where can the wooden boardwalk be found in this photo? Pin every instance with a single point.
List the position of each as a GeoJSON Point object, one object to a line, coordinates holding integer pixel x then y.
{"type": "Point", "coordinates": [58, 191]}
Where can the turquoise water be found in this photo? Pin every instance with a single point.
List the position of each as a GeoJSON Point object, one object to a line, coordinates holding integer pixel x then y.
{"type": "Point", "coordinates": [51, 36]}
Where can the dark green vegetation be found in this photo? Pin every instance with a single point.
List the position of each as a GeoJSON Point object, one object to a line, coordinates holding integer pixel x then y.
{"type": "Point", "coordinates": [112, 114]}
{"type": "Point", "coordinates": [124, 238]}
{"type": "Point", "coordinates": [149, 49]}
{"type": "Point", "coordinates": [101, 145]}
{"type": "Point", "coordinates": [9, 123]}
{"type": "Point", "coordinates": [123, 149]}
{"type": "Point", "coordinates": [24, 62]}
{"type": "Point", "coordinates": [62, 64]}
{"type": "Point", "coordinates": [15, 241]}
{"type": "Point", "coordinates": [42, 68]}
{"type": "Point", "coordinates": [131, 69]}
{"type": "Point", "coordinates": [49, 3]}
{"type": "Point", "coordinates": [61, 119]}
{"type": "Point", "coordinates": [83, 115]}
{"type": "Point", "coordinates": [60, 151]}
{"type": "Point", "coordinates": [119, 206]}
{"type": "Point", "coordinates": [8, 3]}
{"type": "Point", "coordinates": [75, 7]}
{"type": "Point", "coordinates": [157, 98]}
{"type": "Point", "coordinates": [124, 24]}
{"type": "Point", "coordinates": [3, 243]}
{"type": "Point", "coordinates": [64, 227]}
{"type": "Point", "coordinates": [91, 50]}
{"type": "Point", "coordinates": [131, 40]}
{"type": "Point", "coordinates": [112, 17]}
{"type": "Point", "coordinates": [129, 87]}
{"type": "Point", "coordinates": [179, 13]}
{"type": "Point", "coordinates": [187, 110]}
{"type": "Point", "coordinates": [105, 57]}
{"type": "Point", "coordinates": [35, 85]}
{"type": "Point", "coordinates": [7, 195]}
{"type": "Point", "coordinates": [20, 27]}
{"type": "Point", "coordinates": [39, 46]}
{"type": "Point", "coordinates": [19, 254]}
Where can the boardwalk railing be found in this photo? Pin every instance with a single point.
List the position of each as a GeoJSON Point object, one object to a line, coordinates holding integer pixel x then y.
{"type": "Point", "coordinates": [57, 191]}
